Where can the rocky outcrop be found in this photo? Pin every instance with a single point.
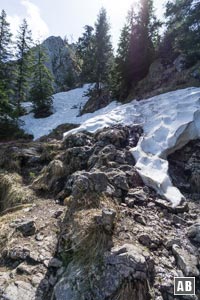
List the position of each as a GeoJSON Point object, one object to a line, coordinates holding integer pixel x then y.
{"type": "Point", "coordinates": [61, 63]}
{"type": "Point", "coordinates": [118, 266]}
{"type": "Point", "coordinates": [96, 101]}
{"type": "Point", "coordinates": [98, 233]}
{"type": "Point", "coordinates": [164, 77]}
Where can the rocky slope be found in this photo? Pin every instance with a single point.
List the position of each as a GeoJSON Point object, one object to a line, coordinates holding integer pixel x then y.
{"type": "Point", "coordinates": [87, 227]}
{"type": "Point", "coordinates": [163, 77]}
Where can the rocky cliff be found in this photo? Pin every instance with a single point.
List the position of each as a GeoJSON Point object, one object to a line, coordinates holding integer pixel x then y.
{"type": "Point", "coordinates": [77, 222]}
{"type": "Point", "coordinates": [61, 63]}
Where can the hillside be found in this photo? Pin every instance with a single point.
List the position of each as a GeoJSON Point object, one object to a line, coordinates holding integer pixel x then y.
{"type": "Point", "coordinates": [100, 150]}
{"type": "Point", "coordinates": [96, 215]}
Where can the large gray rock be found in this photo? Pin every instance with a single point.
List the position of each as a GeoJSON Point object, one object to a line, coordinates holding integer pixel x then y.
{"type": "Point", "coordinates": [83, 182]}
{"type": "Point", "coordinates": [116, 136]}
{"type": "Point", "coordinates": [187, 262]}
{"type": "Point", "coordinates": [19, 290]}
{"type": "Point", "coordinates": [126, 263]}
{"type": "Point", "coordinates": [194, 232]}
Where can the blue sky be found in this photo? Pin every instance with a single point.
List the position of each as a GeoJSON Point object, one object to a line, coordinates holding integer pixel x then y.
{"type": "Point", "coordinates": [67, 17]}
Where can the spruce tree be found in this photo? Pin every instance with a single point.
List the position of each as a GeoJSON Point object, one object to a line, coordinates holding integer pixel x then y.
{"type": "Point", "coordinates": [5, 72]}
{"type": "Point", "coordinates": [85, 53]}
{"type": "Point", "coordinates": [143, 36]}
{"type": "Point", "coordinates": [184, 26]}
{"type": "Point", "coordinates": [136, 48]}
{"type": "Point", "coordinates": [24, 63]}
{"type": "Point", "coordinates": [103, 54]}
{"type": "Point", "coordinates": [42, 89]}
{"type": "Point", "coordinates": [121, 80]}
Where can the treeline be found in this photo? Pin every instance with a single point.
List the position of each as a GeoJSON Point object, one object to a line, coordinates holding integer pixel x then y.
{"type": "Point", "coordinates": [139, 45]}
{"type": "Point", "coordinates": [23, 70]}
{"type": "Point", "coordinates": [22, 73]}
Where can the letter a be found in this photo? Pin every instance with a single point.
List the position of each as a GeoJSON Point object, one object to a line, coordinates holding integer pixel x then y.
{"type": "Point", "coordinates": [180, 287]}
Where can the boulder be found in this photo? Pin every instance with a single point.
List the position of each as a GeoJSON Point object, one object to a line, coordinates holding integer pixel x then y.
{"type": "Point", "coordinates": [186, 261]}
{"type": "Point", "coordinates": [117, 136]}
{"type": "Point", "coordinates": [194, 232]}
{"type": "Point", "coordinates": [19, 290]}
{"type": "Point", "coordinates": [82, 182]}
{"type": "Point", "coordinates": [79, 139]}
{"type": "Point", "coordinates": [139, 196]}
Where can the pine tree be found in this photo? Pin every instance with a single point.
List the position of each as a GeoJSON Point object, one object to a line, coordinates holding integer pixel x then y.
{"type": "Point", "coordinates": [5, 56]}
{"type": "Point", "coordinates": [24, 63]}
{"type": "Point", "coordinates": [42, 89]}
{"type": "Point", "coordinates": [103, 54]}
{"type": "Point", "coordinates": [85, 53]}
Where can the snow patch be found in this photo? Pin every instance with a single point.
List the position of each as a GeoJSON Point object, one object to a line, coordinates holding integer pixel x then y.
{"type": "Point", "coordinates": [66, 106]}
{"type": "Point", "coordinates": [169, 121]}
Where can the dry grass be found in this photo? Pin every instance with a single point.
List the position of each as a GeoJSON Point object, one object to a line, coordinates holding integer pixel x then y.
{"type": "Point", "coordinates": [92, 239]}
{"type": "Point", "coordinates": [49, 175]}
{"type": "Point", "coordinates": [13, 192]}
{"type": "Point", "coordinates": [89, 201]}
{"type": "Point", "coordinates": [133, 290]}
{"type": "Point", "coordinates": [87, 238]}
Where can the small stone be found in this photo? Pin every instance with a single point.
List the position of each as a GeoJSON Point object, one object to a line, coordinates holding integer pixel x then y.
{"type": "Point", "coordinates": [172, 241]}
{"type": "Point", "coordinates": [39, 237]}
{"type": "Point", "coordinates": [183, 207]}
{"type": "Point", "coordinates": [108, 217]}
{"type": "Point", "coordinates": [139, 196]}
{"type": "Point", "coordinates": [55, 263]}
{"type": "Point", "coordinates": [57, 214]}
{"type": "Point", "coordinates": [26, 227]}
{"type": "Point", "coordinates": [140, 219]}
{"type": "Point", "coordinates": [52, 280]}
{"type": "Point", "coordinates": [46, 262]}
{"type": "Point", "coordinates": [129, 202]}
{"type": "Point", "coordinates": [145, 239]}
{"type": "Point", "coordinates": [120, 182]}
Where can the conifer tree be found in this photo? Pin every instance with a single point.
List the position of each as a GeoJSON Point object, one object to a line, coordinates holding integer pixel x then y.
{"type": "Point", "coordinates": [5, 56]}
{"type": "Point", "coordinates": [24, 63]}
{"type": "Point", "coordinates": [42, 89]}
{"type": "Point", "coordinates": [136, 48]}
{"type": "Point", "coordinates": [143, 37]}
{"type": "Point", "coordinates": [183, 26]}
{"type": "Point", "coordinates": [102, 51]}
{"type": "Point", "coordinates": [85, 52]}
{"type": "Point", "coordinates": [121, 81]}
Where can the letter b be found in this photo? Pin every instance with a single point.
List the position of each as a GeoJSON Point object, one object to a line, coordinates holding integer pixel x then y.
{"type": "Point", "coordinates": [188, 286]}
